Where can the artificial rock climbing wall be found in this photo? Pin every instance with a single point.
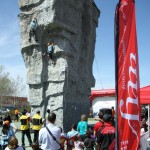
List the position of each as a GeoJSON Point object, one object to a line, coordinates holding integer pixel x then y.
{"type": "Point", "coordinates": [64, 84]}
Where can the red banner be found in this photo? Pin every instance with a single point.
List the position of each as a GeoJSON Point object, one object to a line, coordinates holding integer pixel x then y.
{"type": "Point", "coordinates": [127, 78]}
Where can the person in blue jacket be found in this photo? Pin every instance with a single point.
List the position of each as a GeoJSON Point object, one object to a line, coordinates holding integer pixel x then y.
{"type": "Point", "coordinates": [50, 49]}
{"type": "Point", "coordinates": [33, 26]}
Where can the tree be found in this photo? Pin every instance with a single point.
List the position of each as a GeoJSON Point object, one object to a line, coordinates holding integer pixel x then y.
{"type": "Point", "coordinates": [6, 84]}
{"type": "Point", "coordinates": [18, 86]}
{"type": "Point", "coordinates": [9, 86]}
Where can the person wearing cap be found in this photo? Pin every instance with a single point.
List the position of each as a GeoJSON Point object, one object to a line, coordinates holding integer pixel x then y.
{"type": "Point", "coordinates": [106, 133]}
{"type": "Point", "coordinates": [25, 128]}
{"type": "Point", "coordinates": [37, 124]}
{"type": "Point", "coordinates": [70, 136]}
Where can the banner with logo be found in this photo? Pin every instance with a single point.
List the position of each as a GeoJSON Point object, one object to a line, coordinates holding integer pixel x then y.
{"type": "Point", "coordinates": [127, 78]}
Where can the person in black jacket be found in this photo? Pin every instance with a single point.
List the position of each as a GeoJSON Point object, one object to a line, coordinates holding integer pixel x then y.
{"type": "Point", "coordinates": [106, 133]}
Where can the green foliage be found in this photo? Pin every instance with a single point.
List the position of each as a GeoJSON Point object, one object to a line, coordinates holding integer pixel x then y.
{"type": "Point", "coordinates": [9, 86]}
{"type": "Point", "coordinates": [6, 84]}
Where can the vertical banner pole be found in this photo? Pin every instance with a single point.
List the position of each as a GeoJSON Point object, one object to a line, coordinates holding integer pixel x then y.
{"type": "Point", "coordinates": [127, 78]}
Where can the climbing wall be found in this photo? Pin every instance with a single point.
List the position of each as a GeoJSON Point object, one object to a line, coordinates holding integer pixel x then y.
{"type": "Point", "coordinates": [63, 84]}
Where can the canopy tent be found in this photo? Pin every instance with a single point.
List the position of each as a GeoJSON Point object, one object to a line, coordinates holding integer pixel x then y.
{"type": "Point", "coordinates": [145, 95]}
{"type": "Point", "coordinates": [101, 93]}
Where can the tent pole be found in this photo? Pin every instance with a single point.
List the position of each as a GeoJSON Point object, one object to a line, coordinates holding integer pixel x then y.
{"type": "Point", "coordinates": [149, 122]}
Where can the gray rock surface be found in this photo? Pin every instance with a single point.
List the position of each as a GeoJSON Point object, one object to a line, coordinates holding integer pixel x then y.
{"type": "Point", "coordinates": [64, 84]}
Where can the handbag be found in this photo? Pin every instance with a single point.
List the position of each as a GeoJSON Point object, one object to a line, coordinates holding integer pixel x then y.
{"type": "Point", "coordinates": [53, 137]}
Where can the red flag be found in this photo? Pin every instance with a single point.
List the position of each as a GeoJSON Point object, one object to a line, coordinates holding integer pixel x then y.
{"type": "Point", "coordinates": [127, 78]}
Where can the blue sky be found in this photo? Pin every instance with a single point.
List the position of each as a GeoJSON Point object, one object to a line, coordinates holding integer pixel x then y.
{"type": "Point", "coordinates": [11, 58]}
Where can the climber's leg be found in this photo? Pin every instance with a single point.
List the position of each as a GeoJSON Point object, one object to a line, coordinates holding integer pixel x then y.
{"type": "Point", "coordinates": [35, 37]}
{"type": "Point", "coordinates": [50, 55]}
{"type": "Point", "coordinates": [30, 34]}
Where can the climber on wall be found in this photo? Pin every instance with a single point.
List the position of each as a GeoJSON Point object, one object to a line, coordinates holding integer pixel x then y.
{"type": "Point", "coordinates": [50, 49]}
{"type": "Point", "coordinates": [33, 26]}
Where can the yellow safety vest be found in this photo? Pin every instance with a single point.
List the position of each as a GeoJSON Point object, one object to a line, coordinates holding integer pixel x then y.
{"type": "Point", "coordinates": [36, 120]}
{"type": "Point", "coordinates": [24, 122]}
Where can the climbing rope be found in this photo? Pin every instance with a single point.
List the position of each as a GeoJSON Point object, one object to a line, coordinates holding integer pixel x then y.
{"type": "Point", "coordinates": [98, 73]}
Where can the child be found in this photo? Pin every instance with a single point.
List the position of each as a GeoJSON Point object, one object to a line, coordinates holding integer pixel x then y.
{"type": "Point", "coordinates": [89, 142]}
{"type": "Point", "coordinates": [78, 144]}
{"type": "Point", "coordinates": [82, 127]}
{"type": "Point", "coordinates": [35, 146]}
{"type": "Point", "coordinates": [13, 144]}
{"type": "Point", "coordinates": [70, 136]}
{"type": "Point", "coordinates": [63, 138]}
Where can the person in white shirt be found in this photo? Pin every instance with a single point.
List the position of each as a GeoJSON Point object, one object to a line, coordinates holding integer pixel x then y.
{"type": "Point", "coordinates": [46, 140]}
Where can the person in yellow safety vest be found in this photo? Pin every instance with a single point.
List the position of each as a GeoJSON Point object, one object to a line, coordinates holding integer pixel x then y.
{"type": "Point", "coordinates": [37, 124]}
{"type": "Point", "coordinates": [25, 128]}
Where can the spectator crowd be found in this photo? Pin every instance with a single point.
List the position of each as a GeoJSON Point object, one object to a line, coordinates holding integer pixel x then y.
{"type": "Point", "coordinates": [49, 136]}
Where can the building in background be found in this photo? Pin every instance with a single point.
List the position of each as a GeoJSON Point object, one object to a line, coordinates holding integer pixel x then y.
{"type": "Point", "coordinates": [11, 102]}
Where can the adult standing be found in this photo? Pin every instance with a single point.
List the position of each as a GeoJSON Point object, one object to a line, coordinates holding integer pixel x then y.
{"type": "Point", "coordinates": [49, 136]}
{"type": "Point", "coordinates": [113, 111]}
{"type": "Point", "coordinates": [106, 133]}
{"type": "Point", "coordinates": [25, 128]}
{"type": "Point", "coordinates": [46, 117]}
{"type": "Point", "coordinates": [12, 127]}
{"type": "Point", "coordinates": [99, 124]}
{"type": "Point", "coordinates": [113, 115]}
{"type": "Point", "coordinates": [37, 124]}
{"type": "Point", "coordinates": [45, 120]}
{"type": "Point", "coordinates": [47, 113]}
{"type": "Point", "coordinates": [6, 134]}
{"type": "Point", "coordinates": [82, 127]}
{"type": "Point", "coordinates": [16, 114]}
